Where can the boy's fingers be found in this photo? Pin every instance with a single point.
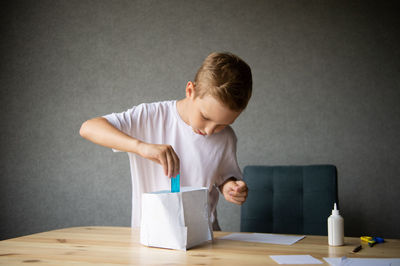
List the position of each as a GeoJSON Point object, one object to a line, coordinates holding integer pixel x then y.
{"type": "Point", "coordinates": [164, 164]}
{"type": "Point", "coordinates": [240, 183]}
{"type": "Point", "coordinates": [236, 201]}
{"type": "Point", "coordinates": [240, 200]}
{"type": "Point", "coordinates": [171, 163]}
{"type": "Point", "coordinates": [240, 186]}
{"type": "Point", "coordinates": [239, 191]}
{"type": "Point", "coordinates": [233, 185]}
{"type": "Point", "coordinates": [176, 163]}
{"type": "Point", "coordinates": [238, 194]}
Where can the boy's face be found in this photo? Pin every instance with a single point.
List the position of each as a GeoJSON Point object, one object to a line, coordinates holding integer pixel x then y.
{"type": "Point", "coordinates": [207, 115]}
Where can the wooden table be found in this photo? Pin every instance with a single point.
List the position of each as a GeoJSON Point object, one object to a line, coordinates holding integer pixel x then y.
{"type": "Point", "coordinates": [120, 245]}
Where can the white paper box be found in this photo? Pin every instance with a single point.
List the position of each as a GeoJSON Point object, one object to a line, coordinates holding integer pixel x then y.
{"type": "Point", "coordinates": [175, 220]}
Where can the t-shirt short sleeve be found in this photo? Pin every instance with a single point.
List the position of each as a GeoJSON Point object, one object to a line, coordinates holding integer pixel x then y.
{"type": "Point", "coordinates": [129, 121]}
{"type": "Point", "coordinates": [229, 166]}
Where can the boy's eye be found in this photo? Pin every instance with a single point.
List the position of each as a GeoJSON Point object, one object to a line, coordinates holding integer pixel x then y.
{"type": "Point", "coordinates": [204, 118]}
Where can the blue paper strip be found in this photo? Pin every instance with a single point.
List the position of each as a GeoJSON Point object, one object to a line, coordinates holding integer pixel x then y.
{"type": "Point", "coordinates": [175, 183]}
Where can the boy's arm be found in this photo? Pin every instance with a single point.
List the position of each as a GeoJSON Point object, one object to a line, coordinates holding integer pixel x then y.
{"type": "Point", "coordinates": [234, 190]}
{"type": "Point", "coordinates": [98, 130]}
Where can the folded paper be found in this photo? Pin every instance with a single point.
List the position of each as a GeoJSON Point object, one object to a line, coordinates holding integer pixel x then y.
{"type": "Point", "coordinates": [175, 220]}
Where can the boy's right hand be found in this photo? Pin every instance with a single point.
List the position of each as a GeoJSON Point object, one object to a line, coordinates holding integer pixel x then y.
{"type": "Point", "coordinates": [161, 154]}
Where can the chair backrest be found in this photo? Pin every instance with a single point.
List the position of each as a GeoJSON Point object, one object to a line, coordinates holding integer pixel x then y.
{"type": "Point", "coordinates": [289, 199]}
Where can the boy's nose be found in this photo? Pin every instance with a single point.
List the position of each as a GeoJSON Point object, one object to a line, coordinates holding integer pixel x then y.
{"type": "Point", "coordinates": [210, 130]}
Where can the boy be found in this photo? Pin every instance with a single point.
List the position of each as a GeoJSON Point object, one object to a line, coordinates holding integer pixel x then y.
{"type": "Point", "coordinates": [191, 136]}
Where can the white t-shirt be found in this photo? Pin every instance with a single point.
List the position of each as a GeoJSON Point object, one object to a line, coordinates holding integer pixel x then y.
{"type": "Point", "coordinates": [205, 161]}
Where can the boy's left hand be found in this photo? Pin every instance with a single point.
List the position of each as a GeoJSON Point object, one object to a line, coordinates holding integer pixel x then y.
{"type": "Point", "coordinates": [234, 191]}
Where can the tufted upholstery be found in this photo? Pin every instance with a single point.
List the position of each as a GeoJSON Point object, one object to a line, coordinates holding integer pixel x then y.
{"type": "Point", "coordinates": [289, 199]}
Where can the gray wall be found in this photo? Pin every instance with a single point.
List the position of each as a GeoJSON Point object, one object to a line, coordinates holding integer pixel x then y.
{"type": "Point", "coordinates": [326, 90]}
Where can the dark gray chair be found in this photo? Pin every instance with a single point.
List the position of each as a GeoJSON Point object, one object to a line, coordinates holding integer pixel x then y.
{"type": "Point", "coordinates": [289, 199]}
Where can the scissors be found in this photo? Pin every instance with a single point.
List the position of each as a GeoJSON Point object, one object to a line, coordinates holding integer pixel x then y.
{"type": "Point", "coordinates": [372, 240]}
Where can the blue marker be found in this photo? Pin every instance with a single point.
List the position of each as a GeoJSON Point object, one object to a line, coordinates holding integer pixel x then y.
{"type": "Point", "coordinates": [175, 183]}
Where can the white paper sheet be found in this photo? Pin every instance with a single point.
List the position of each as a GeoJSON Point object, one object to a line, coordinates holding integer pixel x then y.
{"type": "Point", "coordinates": [264, 238]}
{"type": "Point", "coordinates": [295, 259]}
{"type": "Point", "coordinates": [363, 261]}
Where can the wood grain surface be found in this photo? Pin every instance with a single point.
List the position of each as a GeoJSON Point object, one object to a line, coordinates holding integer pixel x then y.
{"type": "Point", "coordinates": [94, 245]}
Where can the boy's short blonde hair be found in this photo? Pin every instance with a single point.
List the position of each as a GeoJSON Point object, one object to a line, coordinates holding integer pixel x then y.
{"type": "Point", "coordinates": [227, 78]}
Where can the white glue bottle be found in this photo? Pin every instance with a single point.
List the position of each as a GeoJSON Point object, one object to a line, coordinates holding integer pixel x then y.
{"type": "Point", "coordinates": [335, 228]}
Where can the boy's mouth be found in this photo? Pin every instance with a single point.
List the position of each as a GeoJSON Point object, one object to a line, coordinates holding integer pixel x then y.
{"type": "Point", "coordinates": [199, 132]}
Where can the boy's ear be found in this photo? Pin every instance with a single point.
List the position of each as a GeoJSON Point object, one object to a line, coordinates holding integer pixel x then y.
{"type": "Point", "coordinates": [190, 89]}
